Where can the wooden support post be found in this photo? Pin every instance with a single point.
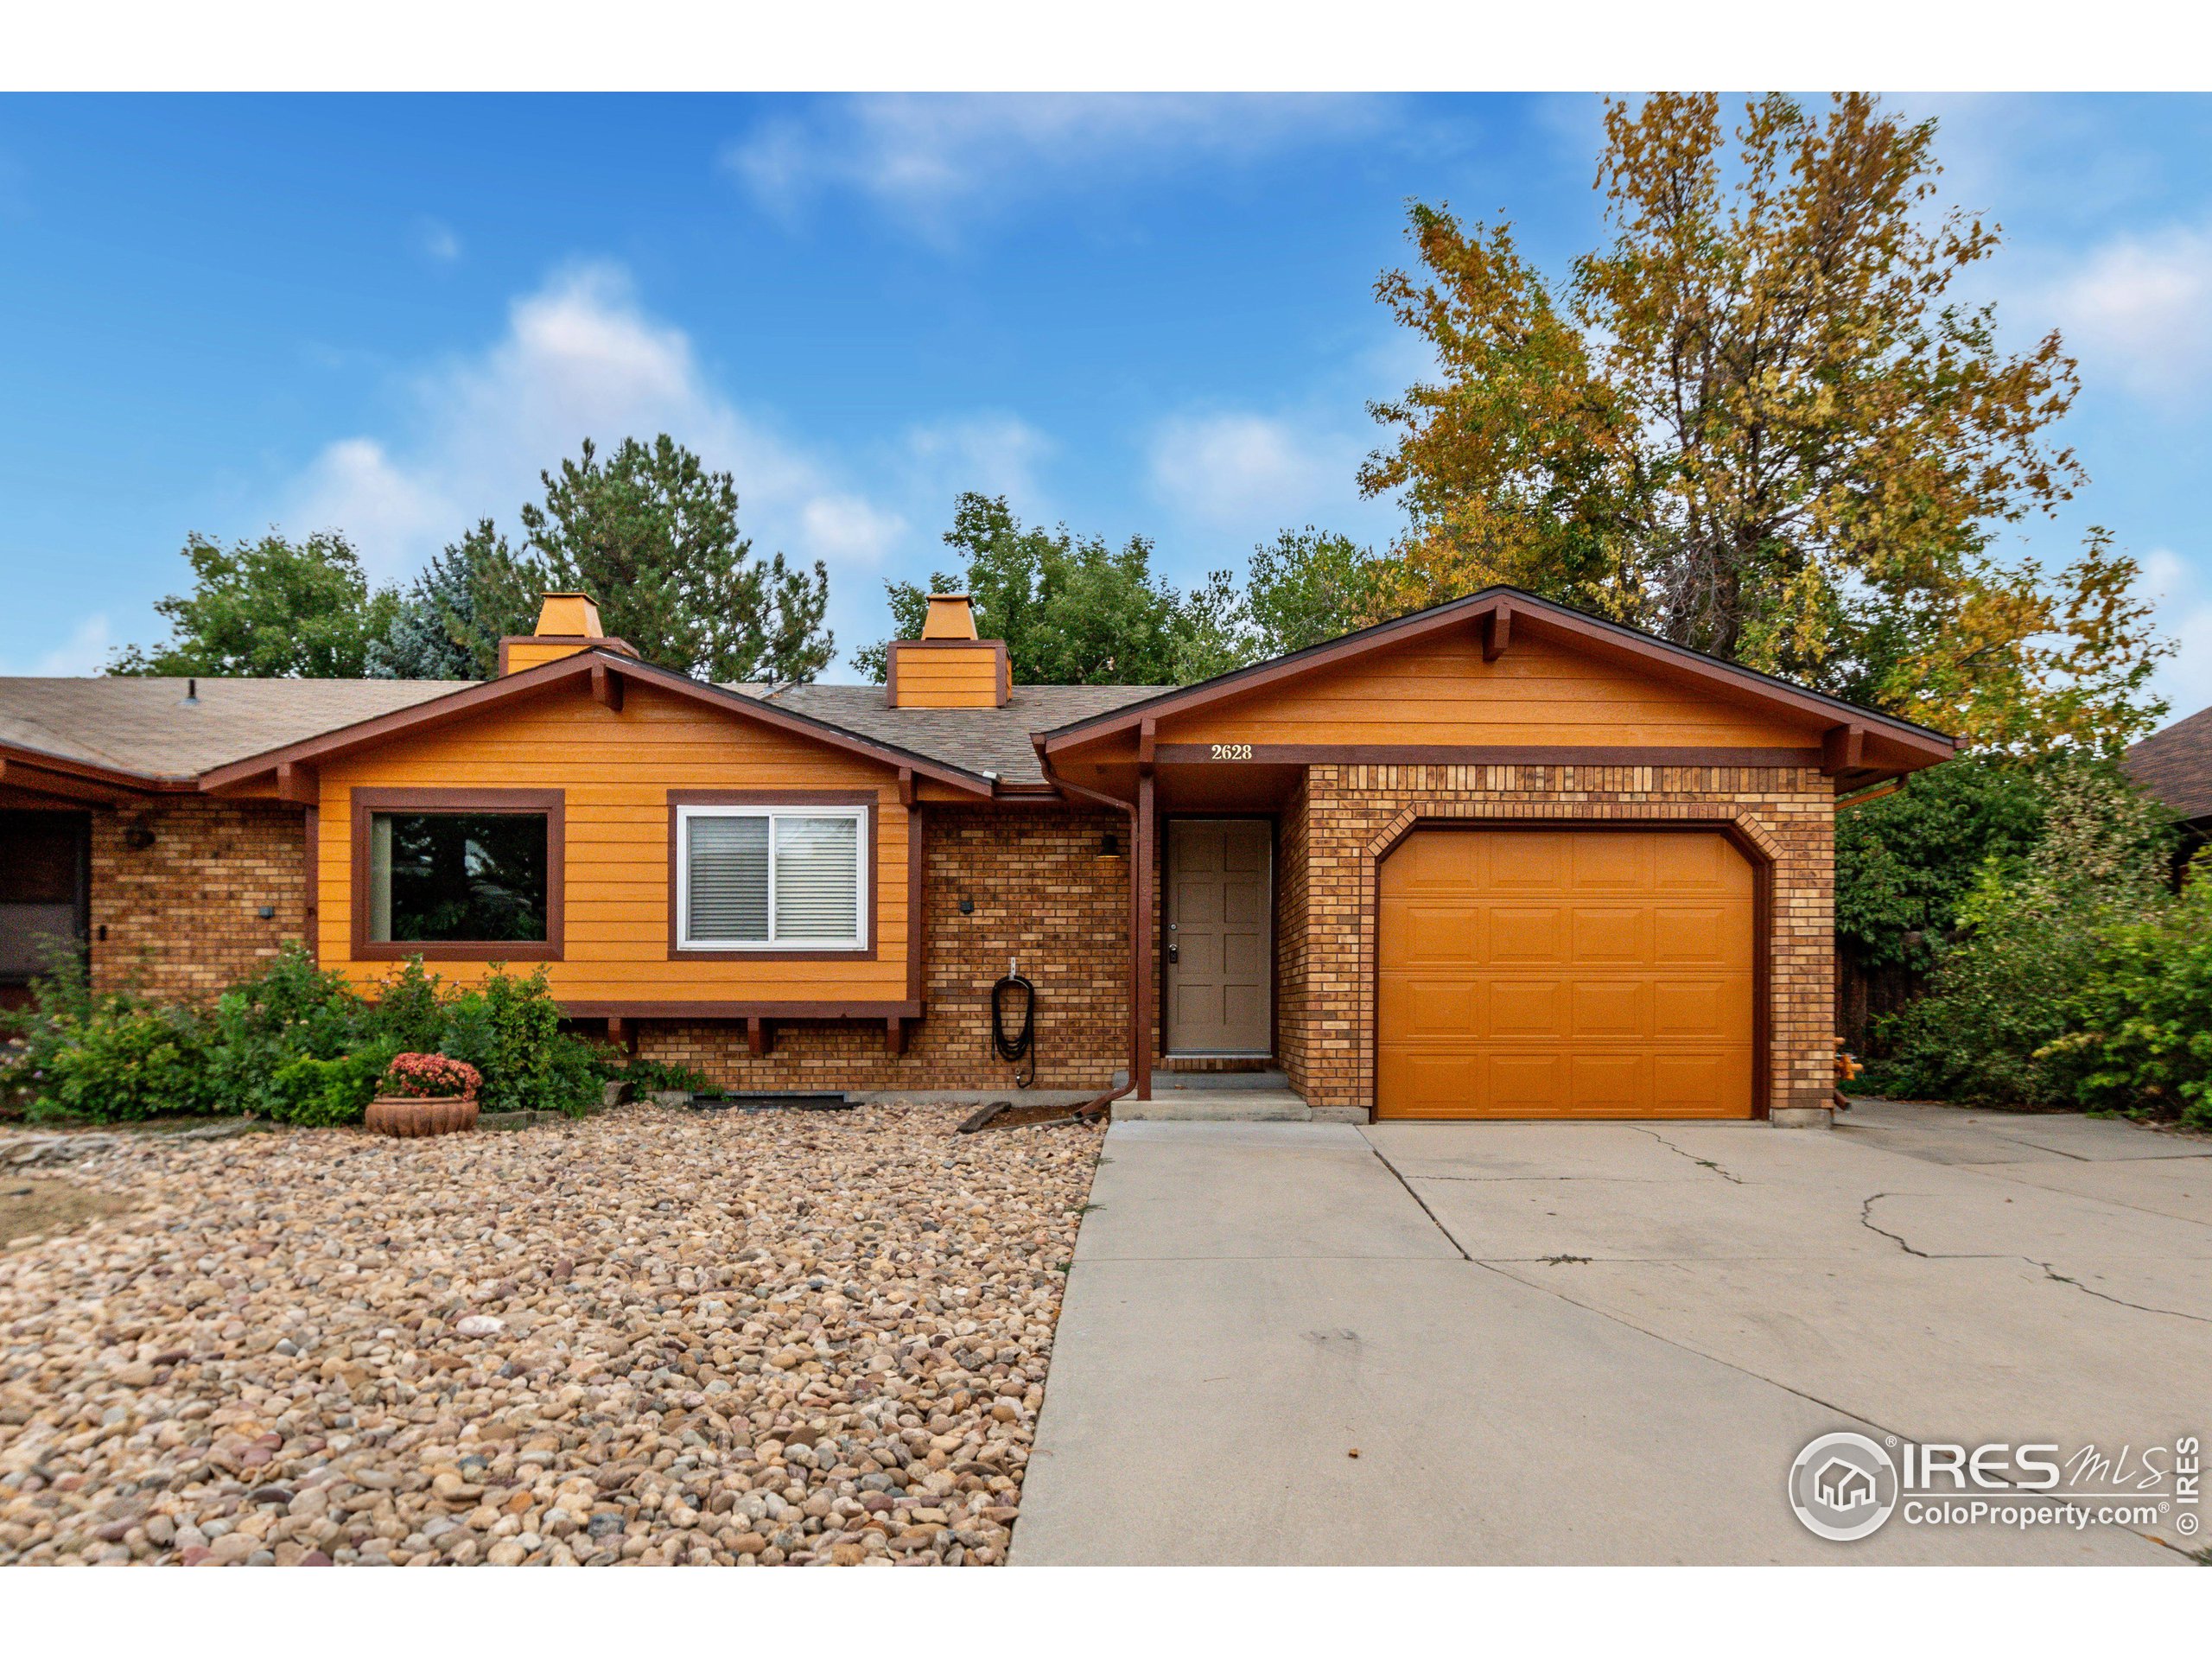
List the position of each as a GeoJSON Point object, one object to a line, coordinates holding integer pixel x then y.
{"type": "Point", "coordinates": [605, 687]}
{"type": "Point", "coordinates": [1140, 936]}
{"type": "Point", "coordinates": [298, 783]}
{"type": "Point", "coordinates": [905, 786]}
{"type": "Point", "coordinates": [1843, 748]}
{"type": "Point", "coordinates": [1147, 744]}
{"type": "Point", "coordinates": [1497, 632]}
{"type": "Point", "coordinates": [622, 1033]}
{"type": "Point", "coordinates": [759, 1036]}
{"type": "Point", "coordinates": [895, 1035]}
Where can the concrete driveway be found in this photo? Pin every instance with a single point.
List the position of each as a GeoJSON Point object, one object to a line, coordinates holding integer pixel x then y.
{"type": "Point", "coordinates": [1604, 1343]}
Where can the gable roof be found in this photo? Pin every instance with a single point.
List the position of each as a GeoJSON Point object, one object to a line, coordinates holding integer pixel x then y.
{"type": "Point", "coordinates": [475, 697]}
{"type": "Point", "coordinates": [2176, 764]}
{"type": "Point", "coordinates": [1513, 605]}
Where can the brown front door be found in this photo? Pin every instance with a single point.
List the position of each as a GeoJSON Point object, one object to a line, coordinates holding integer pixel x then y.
{"type": "Point", "coordinates": [1220, 968]}
{"type": "Point", "coordinates": [1564, 973]}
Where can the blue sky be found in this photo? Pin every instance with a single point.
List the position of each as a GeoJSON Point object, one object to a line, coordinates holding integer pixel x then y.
{"type": "Point", "coordinates": [1147, 314]}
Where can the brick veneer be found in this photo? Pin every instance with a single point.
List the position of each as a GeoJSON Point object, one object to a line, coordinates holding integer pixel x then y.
{"type": "Point", "coordinates": [182, 914]}
{"type": "Point", "coordinates": [1043, 897]}
{"type": "Point", "coordinates": [1352, 813]}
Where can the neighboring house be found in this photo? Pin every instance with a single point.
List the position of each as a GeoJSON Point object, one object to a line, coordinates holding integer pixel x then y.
{"type": "Point", "coordinates": [2175, 765]}
{"type": "Point", "coordinates": [1496, 859]}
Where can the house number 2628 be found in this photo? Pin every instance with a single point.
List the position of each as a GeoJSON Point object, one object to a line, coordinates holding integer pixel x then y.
{"type": "Point", "coordinates": [1232, 751]}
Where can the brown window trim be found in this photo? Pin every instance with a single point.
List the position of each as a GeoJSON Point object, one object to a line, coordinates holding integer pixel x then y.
{"type": "Point", "coordinates": [867, 798]}
{"type": "Point", "coordinates": [553, 803]}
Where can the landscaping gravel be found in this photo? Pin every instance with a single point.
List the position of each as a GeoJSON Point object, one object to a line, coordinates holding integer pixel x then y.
{"type": "Point", "coordinates": [650, 1336]}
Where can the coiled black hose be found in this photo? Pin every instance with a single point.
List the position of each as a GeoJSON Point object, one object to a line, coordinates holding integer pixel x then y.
{"type": "Point", "coordinates": [1022, 1046]}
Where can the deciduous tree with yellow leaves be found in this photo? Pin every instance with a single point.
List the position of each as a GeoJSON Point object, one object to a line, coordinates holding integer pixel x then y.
{"type": "Point", "coordinates": [1761, 423]}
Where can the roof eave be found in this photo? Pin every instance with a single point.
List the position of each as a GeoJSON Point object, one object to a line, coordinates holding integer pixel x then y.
{"type": "Point", "coordinates": [470, 700]}
{"type": "Point", "coordinates": [1934, 745]}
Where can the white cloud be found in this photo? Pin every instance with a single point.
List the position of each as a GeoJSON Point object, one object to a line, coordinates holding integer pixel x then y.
{"type": "Point", "coordinates": [932, 159]}
{"type": "Point", "coordinates": [1245, 471]}
{"type": "Point", "coordinates": [85, 650]}
{"type": "Point", "coordinates": [2183, 596]}
{"type": "Point", "coordinates": [438, 242]}
{"type": "Point", "coordinates": [995, 453]}
{"type": "Point", "coordinates": [579, 357]}
{"type": "Point", "coordinates": [2142, 306]}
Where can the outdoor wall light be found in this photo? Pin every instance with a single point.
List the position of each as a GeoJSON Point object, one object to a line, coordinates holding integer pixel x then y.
{"type": "Point", "coordinates": [1110, 847]}
{"type": "Point", "coordinates": [967, 907]}
{"type": "Point", "coordinates": [137, 837]}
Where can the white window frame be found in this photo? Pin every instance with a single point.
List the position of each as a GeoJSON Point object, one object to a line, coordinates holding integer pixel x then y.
{"type": "Point", "coordinates": [861, 816]}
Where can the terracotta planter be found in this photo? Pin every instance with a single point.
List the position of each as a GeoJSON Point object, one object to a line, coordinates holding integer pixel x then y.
{"type": "Point", "coordinates": [404, 1115]}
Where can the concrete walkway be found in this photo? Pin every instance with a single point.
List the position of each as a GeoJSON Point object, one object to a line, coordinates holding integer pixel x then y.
{"type": "Point", "coordinates": [1604, 1343]}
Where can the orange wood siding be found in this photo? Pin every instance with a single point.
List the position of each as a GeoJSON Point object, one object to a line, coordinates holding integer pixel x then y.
{"type": "Point", "coordinates": [616, 770]}
{"type": "Point", "coordinates": [530, 653]}
{"type": "Point", "coordinates": [949, 677]}
{"type": "Point", "coordinates": [1438, 690]}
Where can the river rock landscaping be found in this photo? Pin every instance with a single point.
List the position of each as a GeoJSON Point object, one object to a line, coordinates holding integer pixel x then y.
{"type": "Point", "coordinates": [652, 1335]}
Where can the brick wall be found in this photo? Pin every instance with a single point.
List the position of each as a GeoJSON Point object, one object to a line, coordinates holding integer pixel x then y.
{"type": "Point", "coordinates": [1041, 896]}
{"type": "Point", "coordinates": [1352, 813]}
{"type": "Point", "coordinates": [1294, 1006]}
{"type": "Point", "coordinates": [182, 914]}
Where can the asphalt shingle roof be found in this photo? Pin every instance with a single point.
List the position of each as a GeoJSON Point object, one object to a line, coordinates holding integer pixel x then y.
{"type": "Point", "coordinates": [145, 726]}
{"type": "Point", "coordinates": [979, 740]}
{"type": "Point", "coordinates": [2176, 764]}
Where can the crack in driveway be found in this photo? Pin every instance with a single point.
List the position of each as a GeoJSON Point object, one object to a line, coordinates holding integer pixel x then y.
{"type": "Point", "coordinates": [2049, 1272]}
{"type": "Point", "coordinates": [1702, 1163]}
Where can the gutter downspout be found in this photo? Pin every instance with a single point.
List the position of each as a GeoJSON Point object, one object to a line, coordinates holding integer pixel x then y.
{"type": "Point", "coordinates": [1137, 963]}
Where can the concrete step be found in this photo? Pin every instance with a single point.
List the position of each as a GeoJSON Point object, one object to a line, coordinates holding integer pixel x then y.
{"type": "Point", "coordinates": [1275, 1083]}
{"type": "Point", "coordinates": [1216, 1106]}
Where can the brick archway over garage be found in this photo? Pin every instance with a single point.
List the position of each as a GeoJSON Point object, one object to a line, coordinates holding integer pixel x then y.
{"type": "Point", "coordinates": [1348, 816]}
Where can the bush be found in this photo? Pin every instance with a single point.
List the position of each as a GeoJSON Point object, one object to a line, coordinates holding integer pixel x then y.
{"type": "Point", "coordinates": [290, 1010]}
{"type": "Point", "coordinates": [75, 1052]}
{"type": "Point", "coordinates": [2075, 973]}
{"type": "Point", "coordinates": [294, 1042]}
{"type": "Point", "coordinates": [509, 1029]}
{"type": "Point", "coordinates": [321, 1094]}
{"type": "Point", "coordinates": [2139, 1019]}
{"type": "Point", "coordinates": [652, 1076]}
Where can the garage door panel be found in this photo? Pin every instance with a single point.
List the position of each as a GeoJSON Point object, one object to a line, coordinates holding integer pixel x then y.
{"type": "Point", "coordinates": [1523, 1082]}
{"type": "Point", "coordinates": [1517, 1007]}
{"type": "Point", "coordinates": [1611, 864]}
{"type": "Point", "coordinates": [1608, 1010]}
{"type": "Point", "coordinates": [1611, 934]}
{"type": "Point", "coordinates": [1699, 933]}
{"type": "Point", "coordinates": [1608, 1081]}
{"type": "Point", "coordinates": [1558, 973]}
{"type": "Point", "coordinates": [1507, 864]}
{"type": "Point", "coordinates": [1517, 934]}
{"type": "Point", "coordinates": [1716, 1008]}
{"type": "Point", "coordinates": [1437, 1007]}
{"type": "Point", "coordinates": [1418, 933]}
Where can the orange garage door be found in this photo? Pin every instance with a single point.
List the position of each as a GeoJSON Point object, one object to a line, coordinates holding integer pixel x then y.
{"type": "Point", "coordinates": [1564, 973]}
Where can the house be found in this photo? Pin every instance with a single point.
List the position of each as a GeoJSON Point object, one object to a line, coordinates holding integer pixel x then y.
{"type": "Point", "coordinates": [1844, 1486]}
{"type": "Point", "coordinates": [2175, 767]}
{"type": "Point", "coordinates": [1498, 858]}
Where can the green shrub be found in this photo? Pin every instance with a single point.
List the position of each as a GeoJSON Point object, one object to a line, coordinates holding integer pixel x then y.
{"type": "Point", "coordinates": [2139, 1019]}
{"type": "Point", "coordinates": [509, 1028]}
{"type": "Point", "coordinates": [290, 1010]}
{"type": "Point", "coordinates": [410, 1010]}
{"type": "Point", "coordinates": [317, 1094]}
{"type": "Point", "coordinates": [650, 1076]}
{"type": "Point", "coordinates": [2040, 999]}
{"type": "Point", "coordinates": [125, 1061]}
